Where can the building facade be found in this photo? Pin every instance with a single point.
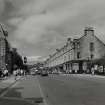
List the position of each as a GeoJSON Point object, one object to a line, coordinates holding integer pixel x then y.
{"type": "Point", "coordinates": [5, 56]}
{"type": "Point", "coordinates": [76, 54]}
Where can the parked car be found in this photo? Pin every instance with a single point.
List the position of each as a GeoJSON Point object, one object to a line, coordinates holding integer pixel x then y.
{"type": "Point", "coordinates": [38, 72]}
{"type": "Point", "coordinates": [33, 73]}
{"type": "Point", "coordinates": [44, 73]}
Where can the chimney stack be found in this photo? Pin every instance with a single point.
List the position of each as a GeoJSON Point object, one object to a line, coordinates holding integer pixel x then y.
{"type": "Point", "coordinates": [68, 40]}
{"type": "Point", "coordinates": [89, 31]}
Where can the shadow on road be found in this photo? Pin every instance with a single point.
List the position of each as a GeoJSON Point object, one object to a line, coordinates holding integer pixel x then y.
{"type": "Point", "coordinates": [14, 97]}
{"type": "Point", "coordinates": [36, 100]}
{"type": "Point", "coordinates": [14, 92]}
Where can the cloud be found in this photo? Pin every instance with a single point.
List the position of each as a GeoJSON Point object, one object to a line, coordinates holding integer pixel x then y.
{"type": "Point", "coordinates": [2, 6]}
{"type": "Point", "coordinates": [31, 27]}
{"type": "Point", "coordinates": [33, 58]}
{"type": "Point", "coordinates": [43, 25]}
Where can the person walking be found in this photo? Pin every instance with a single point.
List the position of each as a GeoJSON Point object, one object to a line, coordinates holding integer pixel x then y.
{"type": "Point", "coordinates": [5, 72]}
{"type": "Point", "coordinates": [21, 71]}
{"type": "Point", "coordinates": [15, 74]}
{"type": "Point", "coordinates": [92, 69]}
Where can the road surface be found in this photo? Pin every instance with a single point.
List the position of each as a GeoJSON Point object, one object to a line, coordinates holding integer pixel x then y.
{"type": "Point", "coordinates": [73, 89]}
{"type": "Point", "coordinates": [56, 90]}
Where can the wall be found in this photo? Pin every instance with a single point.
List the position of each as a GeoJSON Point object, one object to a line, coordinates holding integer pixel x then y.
{"type": "Point", "coordinates": [85, 41]}
{"type": "Point", "coordinates": [67, 53]}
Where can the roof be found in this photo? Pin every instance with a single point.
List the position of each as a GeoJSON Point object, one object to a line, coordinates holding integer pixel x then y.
{"type": "Point", "coordinates": [94, 36]}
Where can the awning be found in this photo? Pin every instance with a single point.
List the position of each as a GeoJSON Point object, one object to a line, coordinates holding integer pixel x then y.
{"type": "Point", "coordinates": [100, 61]}
{"type": "Point", "coordinates": [77, 61]}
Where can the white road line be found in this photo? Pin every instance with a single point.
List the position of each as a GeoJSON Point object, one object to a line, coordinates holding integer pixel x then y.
{"type": "Point", "coordinates": [45, 102]}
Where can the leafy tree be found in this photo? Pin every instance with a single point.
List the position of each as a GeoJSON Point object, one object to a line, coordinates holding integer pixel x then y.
{"type": "Point", "coordinates": [17, 61]}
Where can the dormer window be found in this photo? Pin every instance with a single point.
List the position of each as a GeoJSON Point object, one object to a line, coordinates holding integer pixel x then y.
{"type": "Point", "coordinates": [78, 45]}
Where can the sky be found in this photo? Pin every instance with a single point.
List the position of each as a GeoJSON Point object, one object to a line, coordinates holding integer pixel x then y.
{"type": "Point", "coordinates": [38, 27]}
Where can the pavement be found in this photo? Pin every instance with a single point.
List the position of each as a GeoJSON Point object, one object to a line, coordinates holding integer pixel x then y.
{"type": "Point", "coordinates": [85, 76]}
{"type": "Point", "coordinates": [23, 91]}
{"type": "Point", "coordinates": [7, 82]}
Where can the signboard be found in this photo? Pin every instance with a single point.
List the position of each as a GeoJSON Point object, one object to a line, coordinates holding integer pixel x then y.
{"type": "Point", "coordinates": [101, 69]}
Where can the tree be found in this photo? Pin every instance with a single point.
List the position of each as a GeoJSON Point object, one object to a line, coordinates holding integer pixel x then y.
{"type": "Point", "coordinates": [16, 59]}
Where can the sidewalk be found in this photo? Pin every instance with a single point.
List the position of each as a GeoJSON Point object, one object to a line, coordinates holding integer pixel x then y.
{"type": "Point", "coordinates": [27, 90]}
{"type": "Point", "coordinates": [85, 75]}
{"type": "Point", "coordinates": [6, 83]}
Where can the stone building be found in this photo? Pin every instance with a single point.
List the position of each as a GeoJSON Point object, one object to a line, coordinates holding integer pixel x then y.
{"type": "Point", "coordinates": [5, 57]}
{"type": "Point", "coordinates": [76, 54]}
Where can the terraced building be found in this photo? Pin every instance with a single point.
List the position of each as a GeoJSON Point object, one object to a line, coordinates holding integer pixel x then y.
{"type": "Point", "coordinates": [76, 54]}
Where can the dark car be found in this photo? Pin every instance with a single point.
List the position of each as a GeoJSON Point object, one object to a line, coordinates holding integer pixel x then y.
{"type": "Point", "coordinates": [44, 73]}
{"type": "Point", "coordinates": [38, 72]}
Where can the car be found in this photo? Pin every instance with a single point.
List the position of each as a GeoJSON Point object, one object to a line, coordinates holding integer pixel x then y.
{"type": "Point", "coordinates": [38, 72]}
{"type": "Point", "coordinates": [33, 73]}
{"type": "Point", "coordinates": [44, 73]}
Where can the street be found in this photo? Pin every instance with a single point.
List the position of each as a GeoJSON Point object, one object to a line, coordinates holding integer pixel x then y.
{"type": "Point", "coordinates": [72, 89]}
{"type": "Point", "coordinates": [52, 52]}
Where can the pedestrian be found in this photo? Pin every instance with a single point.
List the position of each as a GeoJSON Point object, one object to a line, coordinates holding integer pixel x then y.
{"type": "Point", "coordinates": [5, 72]}
{"type": "Point", "coordinates": [92, 70]}
{"type": "Point", "coordinates": [15, 74]}
{"type": "Point", "coordinates": [1, 73]}
{"type": "Point", "coordinates": [21, 71]}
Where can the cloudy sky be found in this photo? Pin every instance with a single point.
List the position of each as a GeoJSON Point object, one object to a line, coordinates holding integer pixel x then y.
{"type": "Point", "coordinates": [38, 27]}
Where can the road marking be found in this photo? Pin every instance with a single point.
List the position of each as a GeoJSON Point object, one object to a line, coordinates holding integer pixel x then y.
{"type": "Point", "coordinates": [45, 102]}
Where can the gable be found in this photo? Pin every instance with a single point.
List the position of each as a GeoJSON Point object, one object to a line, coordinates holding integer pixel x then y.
{"type": "Point", "coordinates": [85, 46]}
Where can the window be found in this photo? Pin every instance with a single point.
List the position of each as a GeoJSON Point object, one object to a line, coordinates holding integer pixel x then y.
{"type": "Point", "coordinates": [69, 57]}
{"type": "Point", "coordinates": [64, 58]}
{"type": "Point", "coordinates": [78, 45]}
{"type": "Point", "coordinates": [78, 55]}
{"type": "Point", "coordinates": [92, 56]}
{"type": "Point", "coordinates": [73, 45]}
{"type": "Point", "coordinates": [91, 46]}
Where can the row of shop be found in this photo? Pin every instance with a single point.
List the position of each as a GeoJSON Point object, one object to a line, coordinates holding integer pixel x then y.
{"type": "Point", "coordinates": [79, 66]}
{"type": "Point", "coordinates": [81, 55]}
